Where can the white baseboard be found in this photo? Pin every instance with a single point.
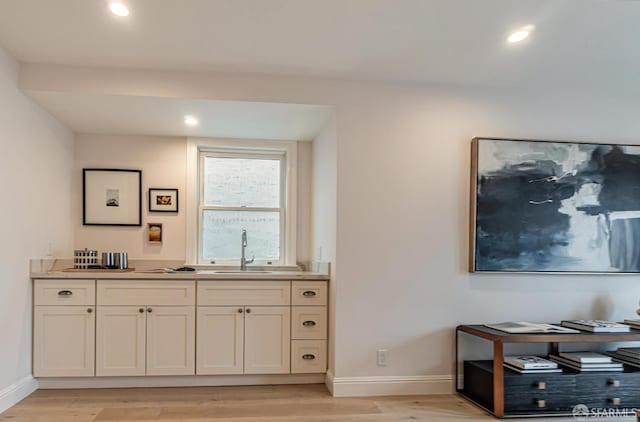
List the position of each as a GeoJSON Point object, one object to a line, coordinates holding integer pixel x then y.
{"type": "Point", "coordinates": [390, 385]}
{"type": "Point", "coordinates": [17, 391]}
{"type": "Point", "coordinates": [179, 381]}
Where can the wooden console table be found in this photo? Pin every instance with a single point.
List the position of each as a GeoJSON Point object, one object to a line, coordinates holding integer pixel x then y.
{"type": "Point", "coordinates": [553, 340]}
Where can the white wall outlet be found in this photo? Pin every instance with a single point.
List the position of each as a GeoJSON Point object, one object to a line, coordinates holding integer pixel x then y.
{"type": "Point", "coordinates": [382, 357]}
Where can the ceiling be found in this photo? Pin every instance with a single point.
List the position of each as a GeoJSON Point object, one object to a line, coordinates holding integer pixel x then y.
{"type": "Point", "coordinates": [580, 45]}
{"type": "Point", "coordinates": [575, 43]}
{"type": "Point", "coordinates": [133, 115]}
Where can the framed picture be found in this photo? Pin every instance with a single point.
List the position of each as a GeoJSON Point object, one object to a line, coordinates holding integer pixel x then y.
{"type": "Point", "coordinates": [111, 197]}
{"type": "Point", "coordinates": [555, 207]}
{"type": "Point", "coordinates": [163, 200]}
{"type": "Point", "coordinates": [154, 232]}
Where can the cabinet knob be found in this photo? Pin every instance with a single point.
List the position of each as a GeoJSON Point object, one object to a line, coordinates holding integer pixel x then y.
{"type": "Point", "coordinates": [614, 383]}
{"type": "Point", "coordinates": [89, 310]}
{"type": "Point", "coordinates": [541, 385]}
{"type": "Point", "coordinates": [616, 401]}
{"type": "Point", "coordinates": [309, 293]}
{"type": "Point", "coordinates": [309, 323]}
{"type": "Point", "coordinates": [541, 403]}
{"type": "Point", "coordinates": [239, 310]}
{"type": "Point", "coordinates": [149, 310]}
{"type": "Point", "coordinates": [308, 356]}
{"type": "Point", "coordinates": [65, 293]}
{"type": "Point", "coordinates": [141, 310]}
{"type": "Point", "coordinates": [248, 310]}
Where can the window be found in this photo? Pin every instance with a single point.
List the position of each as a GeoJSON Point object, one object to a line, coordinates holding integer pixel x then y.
{"type": "Point", "coordinates": [248, 188]}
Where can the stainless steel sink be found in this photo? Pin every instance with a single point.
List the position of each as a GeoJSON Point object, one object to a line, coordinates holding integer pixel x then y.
{"type": "Point", "coordinates": [233, 272]}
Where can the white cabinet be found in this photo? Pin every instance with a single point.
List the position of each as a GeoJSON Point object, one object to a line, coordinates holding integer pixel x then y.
{"type": "Point", "coordinates": [171, 340]}
{"type": "Point", "coordinates": [63, 328]}
{"type": "Point", "coordinates": [63, 341]}
{"type": "Point", "coordinates": [143, 328]}
{"type": "Point", "coordinates": [267, 340]}
{"type": "Point", "coordinates": [220, 340]}
{"type": "Point", "coordinates": [121, 341]}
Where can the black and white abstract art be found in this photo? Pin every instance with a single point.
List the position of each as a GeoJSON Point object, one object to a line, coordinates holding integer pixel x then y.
{"type": "Point", "coordinates": [542, 206]}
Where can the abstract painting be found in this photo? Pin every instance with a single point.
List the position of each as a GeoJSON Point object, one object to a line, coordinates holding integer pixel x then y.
{"type": "Point", "coordinates": [541, 206]}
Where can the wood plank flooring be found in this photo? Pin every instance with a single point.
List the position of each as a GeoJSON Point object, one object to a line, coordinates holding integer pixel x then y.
{"type": "Point", "coordinates": [286, 403]}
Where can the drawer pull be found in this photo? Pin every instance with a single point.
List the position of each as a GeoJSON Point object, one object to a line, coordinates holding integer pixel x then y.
{"type": "Point", "coordinates": [309, 293]}
{"type": "Point", "coordinates": [308, 356]}
{"type": "Point", "coordinates": [149, 310]}
{"type": "Point", "coordinates": [248, 310]}
{"type": "Point", "coordinates": [65, 293]}
{"type": "Point", "coordinates": [616, 401]}
{"type": "Point", "coordinates": [614, 383]}
{"type": "Point", "coordinates": [309, 323]}
{"type": "Point", "coordinates": [89, 310]}
{"type": "Point", "coordinates": [240, 310]}
{"type": "Point", "coordinates": [141, 310]}
{"type": "Point", "coordinates": [541, 385]}
{"type": "Point", "coordinates": [541, 403]}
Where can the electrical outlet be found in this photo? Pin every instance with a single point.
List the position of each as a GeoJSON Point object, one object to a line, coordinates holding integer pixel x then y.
{"type": "Point", "coordinates": [382, 357]}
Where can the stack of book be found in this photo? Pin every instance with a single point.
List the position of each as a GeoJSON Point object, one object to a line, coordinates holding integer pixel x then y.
{"type": "Point", "coordinates": [587, 361]}
{"type": "Point", "coordinates": [597, 326]}
{"type": "Point", "coordinates": [530, 364]}
{"type": "Point", "coordinates": [633, 323]}
{"type": "Point", "coordinates": [627, 355]}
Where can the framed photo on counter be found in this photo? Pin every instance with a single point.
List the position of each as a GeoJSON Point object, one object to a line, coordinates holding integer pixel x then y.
{"type": "Point", "coordinates": [163, 200]}
{"type": "Point", "coordinates": [111, 197]}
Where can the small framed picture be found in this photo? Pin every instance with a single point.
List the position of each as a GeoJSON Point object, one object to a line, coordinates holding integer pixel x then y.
{"type": "Point", "coordinates": [163, 200]}
{"type": "Point", "coordinates": [111, 197]}
{"type": "Point", "coordinates": [154, 232]}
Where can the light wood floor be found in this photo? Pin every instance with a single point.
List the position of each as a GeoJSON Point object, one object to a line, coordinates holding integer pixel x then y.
{"type": "Point", "coordinates": [285, 403]}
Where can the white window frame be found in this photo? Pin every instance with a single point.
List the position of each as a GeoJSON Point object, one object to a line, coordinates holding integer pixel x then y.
{"type": "Point", "coordinates": [285, 150]}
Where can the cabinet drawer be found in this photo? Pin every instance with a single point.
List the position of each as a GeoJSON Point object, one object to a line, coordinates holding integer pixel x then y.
{"type": "Point", "coordinates": [538, 392]}
{"type": "Point", "coordinates": [238, 293]}
{"type": "Point", "coordinates": [140, 292]}
{"type": "Point", "coordinates": [64, 292]}
{"type": "Point", "coordinates": [308, 356]}
{"type": "Point", "coordinates": [608, 389]}
{"type": "Point", "coordinates": [309, 293]}
{"type": "Point", "coordinates": [309, 322]}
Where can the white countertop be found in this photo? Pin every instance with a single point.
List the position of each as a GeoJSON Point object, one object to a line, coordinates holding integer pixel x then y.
{"type": "Point", "coordinates": [186, 275]}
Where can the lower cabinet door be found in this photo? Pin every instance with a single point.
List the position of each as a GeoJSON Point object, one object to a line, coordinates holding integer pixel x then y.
{"type": "Point", "coordinates": [120, 340]}
{"type": "Point", "coordinates": [267, 340]}
{"type": "Point", "coordinates": [220, 340]}
{"type": "Point", "coordinates": [171, 340]}
{"type": "Point", "coordinates": [63, 341]}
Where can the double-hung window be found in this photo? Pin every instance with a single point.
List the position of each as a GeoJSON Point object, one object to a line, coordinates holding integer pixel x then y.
{"type": "Point", "coordinates": [242, 190]}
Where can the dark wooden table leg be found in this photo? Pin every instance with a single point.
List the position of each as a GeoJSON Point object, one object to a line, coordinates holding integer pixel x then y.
{"type": "Point", "coordinates": [498, 379]}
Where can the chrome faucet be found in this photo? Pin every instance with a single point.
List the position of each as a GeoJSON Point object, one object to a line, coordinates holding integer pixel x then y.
{"type": "Point", "coordinates": [243, 260]}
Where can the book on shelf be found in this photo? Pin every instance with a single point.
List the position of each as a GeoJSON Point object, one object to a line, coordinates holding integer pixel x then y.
{"type": "Point", "coordinates": [588, 367]}
{"type": "Point", "coordinates": [621, 358]}
{"type": "Point", "coordinates": [530, 362]}
{"type": "Point", "coordinates": [633, 323]}
{"type": "Point", "coordinates": [586, 357]}
{"type": "Point", "coordinates": [530, 328]}
{"type": "Point", "coordinates": [532, 371]}
{"type": "Point", "coordinates": [596, 326]}
{"type": "Point", "coordinates": [632, 352]}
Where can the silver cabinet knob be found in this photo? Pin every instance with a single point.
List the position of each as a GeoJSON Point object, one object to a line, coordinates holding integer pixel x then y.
{"type": "Point", "coordinates": [616, 401]}
{"type": "Point", "coordinates": [541, 403]}
{"type": "Point", "coordinates": [614, 383]}
{"type": "Point", "coordinates": [541, 385]}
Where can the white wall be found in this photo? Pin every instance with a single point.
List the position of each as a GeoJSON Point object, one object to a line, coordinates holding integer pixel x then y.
{"type": "Point", "coordinates": [323, 233]}
{"type": "Point", "coordinates": [402, 204]}
{"type": "Point", "coordinates": [163, 161]}
{"type": "Point", "coordinates": [35, 168]}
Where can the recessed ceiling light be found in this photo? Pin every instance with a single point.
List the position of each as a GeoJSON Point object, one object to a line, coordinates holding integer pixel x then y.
{"type": "Point", "coordinates": [520, 35]}
{"type": "Point", "coordinates": [190, 121]}
{"type": "Point", "coordinates": [118, 9]}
